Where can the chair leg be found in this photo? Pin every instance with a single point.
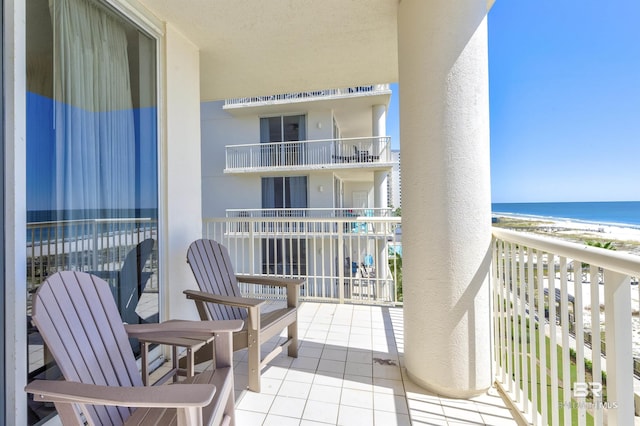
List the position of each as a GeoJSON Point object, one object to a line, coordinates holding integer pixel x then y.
{"type": "Point", "coordinates": [229, 410]}
{"type": "Point", "coordinates": [254, 360]}
{"type": "Point", "coordinates": [293, 335]}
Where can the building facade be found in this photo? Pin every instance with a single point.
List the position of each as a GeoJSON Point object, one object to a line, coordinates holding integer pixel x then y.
{"type": "Point", "coordinates": [321, 150]}
{"type": "Point", "coordinates": [319, 155]}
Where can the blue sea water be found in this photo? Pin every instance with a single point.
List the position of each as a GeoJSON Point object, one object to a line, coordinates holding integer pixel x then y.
{"type": "Point", "coordinates": [604, 213]}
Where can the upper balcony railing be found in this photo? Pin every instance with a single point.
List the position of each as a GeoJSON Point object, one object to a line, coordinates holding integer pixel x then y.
{"type": "Point", "coordinates": [311, 212]}
{"type": "Point", "coordinates": [374, 89]}
{"type": "Point", "coordinates": [324, 153]}
{"type": "Point", "coordinates": [563, 326]}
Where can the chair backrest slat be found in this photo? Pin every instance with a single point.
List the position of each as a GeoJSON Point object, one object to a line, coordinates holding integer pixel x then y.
{"type": "Point", "coordinates": [131, 280]}
{"type": "Point", "coordinates": [79, 321]}
{"type": "Point", "coordinates": [213, 271]}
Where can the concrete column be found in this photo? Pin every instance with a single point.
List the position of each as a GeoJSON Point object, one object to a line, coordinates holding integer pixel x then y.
{"type": "Point", "coordinates": [379, 128]}
{"type": "Point", "coordinates": [446, 196]}
{"type": "Point", "coordinates": [379, 120]}
{"type": "Point", "coordinates": [380, 189]}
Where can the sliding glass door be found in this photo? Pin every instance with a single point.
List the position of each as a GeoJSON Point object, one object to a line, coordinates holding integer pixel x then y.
{"type": "Point", "coordinates": [92, 174]}
{"type": "Point", "coordinates": [285, 193]}
{"type": "Point", "coordinates": [280, 134]}
{"type": "Point", "coordinates": [284, 197]}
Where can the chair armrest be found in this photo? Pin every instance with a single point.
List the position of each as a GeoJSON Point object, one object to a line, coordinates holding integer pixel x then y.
{"type": "Point", "coordinates": [275, 281]}
{"type": "Point", "coordinates": [241, 302]}
{"type": "Point", "coordinates": [252, 305]}
{"type": "Point", "coordinates": [183, 328]}
{"type": "Point", "coordinates": [183, 395]}
{"type": "Point", "coordinates": [292, 284]}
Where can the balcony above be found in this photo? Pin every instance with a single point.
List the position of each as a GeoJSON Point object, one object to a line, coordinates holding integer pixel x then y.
{"type": "Point", "coordinates": [249, 104]}
{"type": "Point", "coordinates": [372, 153]}
{"type": "Point", "coordinates": [311, 212]}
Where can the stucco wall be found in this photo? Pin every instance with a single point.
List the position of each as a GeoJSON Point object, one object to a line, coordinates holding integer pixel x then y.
{"type": "Point", "coordinates": [351, 187]}
{"type": "Point", "coordinates": [181, 198]}
{"type": "Point", "coordinates": [319, 124]}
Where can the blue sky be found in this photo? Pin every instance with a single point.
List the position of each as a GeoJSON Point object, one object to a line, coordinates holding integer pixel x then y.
{"type": "Point", "coordinates": [565, 100]}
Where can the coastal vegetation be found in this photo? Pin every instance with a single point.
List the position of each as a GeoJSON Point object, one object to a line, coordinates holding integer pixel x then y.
{"type": "Point", "coordinates": [395, 265]}
{"type": "Point", "coordinates": [592, 235]}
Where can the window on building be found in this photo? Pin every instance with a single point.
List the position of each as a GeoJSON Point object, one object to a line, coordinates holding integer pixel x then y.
{"type": "Point", "coordinates": [280, 134]}
{"type": "Point", "coordinates": [284, 193]}
{"type": "Point", "coordinates": [284, 197]}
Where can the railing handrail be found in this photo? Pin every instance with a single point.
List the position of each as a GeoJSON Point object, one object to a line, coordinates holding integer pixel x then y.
{"type": "Point", "coordinates": [527, 270]}
{"type": "Point", "coordinates": [303, 219]}
{"type": "Point", "coordinates": [385, 139]}
{"type": "Point", "coordinates": [96, 220]}
{"type": "Point", "coordinates": [624, 263]}
{"type": "Point", "coordinates": [309, 94]}
{"type": "Point", "coordinates": [310, 211]}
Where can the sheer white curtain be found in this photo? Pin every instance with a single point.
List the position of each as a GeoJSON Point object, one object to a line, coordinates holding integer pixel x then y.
{"type": "Point", "coordinates": [284, 192]}
{"type": "Point", "coordinates": [94, 123]}
{"type": "Point", "coordinates": [269, 192]}
{"type": "Point", "coordinates": [298, 192]}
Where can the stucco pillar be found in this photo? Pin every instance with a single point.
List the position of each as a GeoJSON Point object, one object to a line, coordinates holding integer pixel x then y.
{"type": "Point", "coordinates": [379, 120]}
{"type": "Point", "coordinates": [380, 189]}
{"type": "Point", "coordinates": [446, 198]}
{"type": "Point", "coordinates": [379, 128]}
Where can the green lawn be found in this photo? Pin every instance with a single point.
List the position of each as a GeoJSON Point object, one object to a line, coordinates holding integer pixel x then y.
{"type": "Point", "coordinates": [550, 404]}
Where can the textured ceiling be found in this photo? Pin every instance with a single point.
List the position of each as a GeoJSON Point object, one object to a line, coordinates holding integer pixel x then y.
{"type": "Point", "coordinates": [259, 47]}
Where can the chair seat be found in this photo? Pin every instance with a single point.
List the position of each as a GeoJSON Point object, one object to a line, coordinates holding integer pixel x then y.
{"type": "Point", "coordinates": [212, 414]}
{"type": "Point", "coordinates": [273, 322]}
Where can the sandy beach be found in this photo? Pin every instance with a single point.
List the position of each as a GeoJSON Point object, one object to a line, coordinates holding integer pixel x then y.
{"type": "Point", "coordinates": [624, 238]}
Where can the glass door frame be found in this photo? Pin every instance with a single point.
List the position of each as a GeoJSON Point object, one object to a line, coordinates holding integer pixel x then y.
{"type": "Point", "coordinates": [3, 319]}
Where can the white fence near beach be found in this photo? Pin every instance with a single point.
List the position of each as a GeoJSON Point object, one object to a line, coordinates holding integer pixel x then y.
{"type": "Point", "coordinates": [557, 308]}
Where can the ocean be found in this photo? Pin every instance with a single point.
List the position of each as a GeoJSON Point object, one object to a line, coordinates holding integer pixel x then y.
{"type": "Point", "coordinates": [625, 213]}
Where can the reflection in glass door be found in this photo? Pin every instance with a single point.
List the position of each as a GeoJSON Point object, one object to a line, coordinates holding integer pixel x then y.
{"type": "Point", "coordinates": [92, 174]}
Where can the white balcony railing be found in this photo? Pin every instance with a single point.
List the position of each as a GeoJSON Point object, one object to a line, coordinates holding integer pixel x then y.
{"type": "Point", "coordinates": [334, 153]}
{"type": "Point", "coordinates": [568, 358]}
{"type": "Point", "coordinates": [311, 212]}
{"type": "Point", "coordinates": [84, 245]}
{"type": "Point", "coordinates": [307, 96]}
{"type": "Point", "coordinates": [355, 259]}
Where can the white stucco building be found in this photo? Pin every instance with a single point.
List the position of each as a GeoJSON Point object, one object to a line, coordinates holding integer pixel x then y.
{"type": "Point", "coordinates": [326, 149]}
{"type": "Point", "coordinates": [320, 155]}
